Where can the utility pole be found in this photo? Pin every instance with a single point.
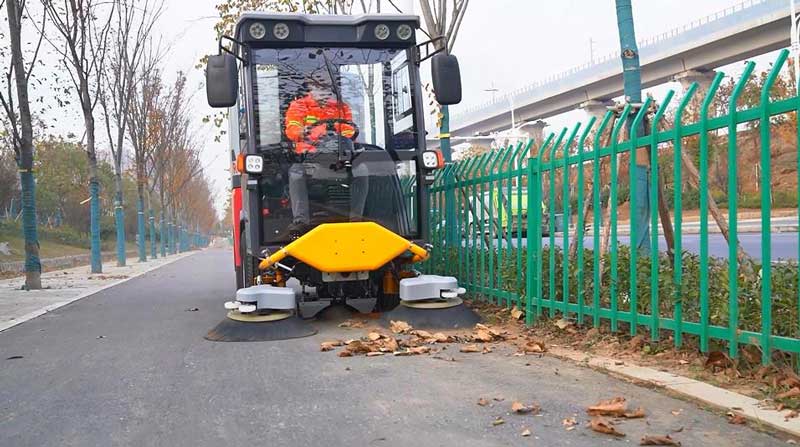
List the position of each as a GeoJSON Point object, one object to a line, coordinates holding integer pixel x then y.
{"type": "Point", "coordinates": [632, 80]}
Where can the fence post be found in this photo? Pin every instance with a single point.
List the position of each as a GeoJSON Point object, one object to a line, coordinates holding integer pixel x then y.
{"type": "Point", "coordinates": [712, 91]}
{"type": "Point", "coordinates": [677, 264]}
{"type": "Point", "coordinates": [654, 306]}
{"type": "Point", "coordinates": [596, 218]}
{"type": "Point", "coordinates": [766, 211]}
{"type": "Point", "coordinates": [551, 207]}
{"type": "Point", "coordinates": [633, 215]}
{"type": "Point", "coordinates": [579, 221]}
{"type": "Point", "coordinates": [733, 242]}
{"type": "Point", "coordinates": [613, 224]}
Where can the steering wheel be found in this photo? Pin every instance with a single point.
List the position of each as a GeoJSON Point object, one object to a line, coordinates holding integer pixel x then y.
{"type": "Point", "coordinates": [330, 125]}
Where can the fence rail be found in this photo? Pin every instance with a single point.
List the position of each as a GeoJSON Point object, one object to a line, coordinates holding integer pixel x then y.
{"type": "Point", "coordinates": [501, 236]}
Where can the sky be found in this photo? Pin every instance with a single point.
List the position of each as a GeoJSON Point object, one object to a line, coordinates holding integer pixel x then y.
{"type": "Point", "coordinates": [502, 44]}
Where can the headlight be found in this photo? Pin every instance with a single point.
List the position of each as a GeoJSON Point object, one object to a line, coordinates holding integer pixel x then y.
{"type": "Point", "coordinates": [432, 160]}
{"type": "Point", "coordinates": [382, 32]}
{"type": "Point", "coordinates": [280, 31]}
{"type": "Point", "coordinates": [254, 164]}
{"type": "Point", "coordinates": [404, 32]}
{"type": "Point", "coordinates": [258, 30]}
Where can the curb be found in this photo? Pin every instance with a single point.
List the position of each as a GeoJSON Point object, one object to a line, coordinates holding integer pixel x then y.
{"type": "Point", "coordinates": [37, 313]}
{"type": "Point", "coordinates": [690, 389]}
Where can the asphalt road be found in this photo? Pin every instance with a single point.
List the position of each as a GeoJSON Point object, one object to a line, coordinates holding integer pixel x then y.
{"type": "Point", "coordinates": [129, 366]}
{"type": "Point", "coordinates": [784, 246]}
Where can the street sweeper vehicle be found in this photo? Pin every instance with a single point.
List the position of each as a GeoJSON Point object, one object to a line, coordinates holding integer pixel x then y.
{"type": "Point", "coordinates": [327, 133]}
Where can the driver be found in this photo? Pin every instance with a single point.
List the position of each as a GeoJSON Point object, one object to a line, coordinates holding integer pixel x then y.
{"type": "Point", "coordinates": [306, 116]}
{"type": "Point", "coordinates": [307, 124]}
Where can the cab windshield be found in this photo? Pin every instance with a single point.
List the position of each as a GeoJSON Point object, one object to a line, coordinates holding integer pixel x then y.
{"type": "Point", "coordinates": [337, 129]}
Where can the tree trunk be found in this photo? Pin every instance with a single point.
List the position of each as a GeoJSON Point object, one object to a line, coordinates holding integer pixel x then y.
{"type": "Point", "coordinates": [140, 223]}
{"type": "Point", "coordinates": [719, 217]}
{"type": "Point", "coordinates": [33, 268]}
{"type": "Point", "coordinates": [119, 218]}
{"type": "Point", "coordinates": [94, 186]}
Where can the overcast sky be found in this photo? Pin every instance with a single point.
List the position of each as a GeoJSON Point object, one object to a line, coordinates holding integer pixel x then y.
{"type": "Point", "coordinates": [502, 44]}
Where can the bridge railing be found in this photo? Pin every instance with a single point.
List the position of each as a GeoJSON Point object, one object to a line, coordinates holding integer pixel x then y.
{"type": "Point", "coordinates": [545, 84]}
{"type": "Point", "coordinates": [538, 226]}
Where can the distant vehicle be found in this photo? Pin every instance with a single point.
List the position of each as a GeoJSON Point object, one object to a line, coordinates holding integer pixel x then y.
{"type": "Point", "coordinates": [512, 214]}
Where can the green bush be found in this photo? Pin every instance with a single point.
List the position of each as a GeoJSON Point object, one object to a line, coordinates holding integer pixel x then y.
{"type": "Point", "coordinates": [784, 285]}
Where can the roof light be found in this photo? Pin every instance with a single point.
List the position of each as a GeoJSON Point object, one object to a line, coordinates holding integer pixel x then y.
{"type": "Point", "coordinates": [382, 32]}
{"type": "Point", "coordinates": [258, 30]}
{"type": "Point", "coordinates": [280, 31]}
{"type": "Point", "coordinates": [404, 32]}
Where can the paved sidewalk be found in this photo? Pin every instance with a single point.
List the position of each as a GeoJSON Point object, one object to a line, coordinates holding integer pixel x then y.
{"type": "Point", "coordinates": [62, 287]}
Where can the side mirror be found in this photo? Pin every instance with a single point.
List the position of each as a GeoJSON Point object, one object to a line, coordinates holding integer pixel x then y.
{"type": "Point", "coordinates": [222, 80]}
{"type": "Point", "coordinates": [446, 79]}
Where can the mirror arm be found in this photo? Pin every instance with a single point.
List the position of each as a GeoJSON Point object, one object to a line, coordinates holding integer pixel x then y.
{"type": "Point", "coordinates": [428, 54]}
{"type": "Point", "coordinates": [237, 43]}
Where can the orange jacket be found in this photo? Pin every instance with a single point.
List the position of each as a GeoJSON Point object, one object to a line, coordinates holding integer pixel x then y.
{"type": "Point", "coordinates": [307, 111]}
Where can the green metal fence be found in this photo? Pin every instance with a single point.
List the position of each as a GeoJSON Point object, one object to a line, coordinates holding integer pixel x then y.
{"type": "Point", "coordinates": [512, 238]}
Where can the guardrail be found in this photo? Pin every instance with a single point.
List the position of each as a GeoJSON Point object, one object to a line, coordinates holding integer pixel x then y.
{"type": "Point", "coordinates": [505, 203]}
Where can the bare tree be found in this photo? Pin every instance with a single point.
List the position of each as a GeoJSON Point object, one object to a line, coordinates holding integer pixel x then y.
{"type": "Point", "coordinates": [84, 27]}
{"type": "Point", "coordinates": [133, 27]}
{"type": "Point", "coordinates": [16, 107]}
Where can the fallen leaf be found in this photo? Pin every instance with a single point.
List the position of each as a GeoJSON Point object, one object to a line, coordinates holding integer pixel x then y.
{"type": "Point", "coordinates": [441, 338]}
{"type": "Point", "coordinates": [569, 423]}
{"type": "Point", "coordinates": [374, 354]}
{"type": "Point", "coordinates": [345, 354]}
{"type": "Point", "coordinates": [676, 412]}
{"type": "Point", "coordinates": [390, 344]}
{"type": "Point", "coordinates": [483, 335]}
{"type": "Point", "coordinates": [470, 348]}
{"type": "Point", "coordinates": [486, 350]}
{"type": "Point", "coordinates": [420, 350]}
{"type": "Point", "coordinates": [659, 440]}
{"type": "Point", "coordinates": [525, 433]}
{"type": "Point", "coordinates": [374, 336]}
{"type": "Point", "coordinates": [353, 324]}
{"type": "Point", "coordinates": [611, 407]}
{"type": "Point", "coordinates": [717, 359]}
{"type": "Point", "coordinates": [562, 323]}
{"type": "Point", "coordinates": [359, 347]}
{"type": "Point", "coordinates": [791, 415]}
{"type": "Point", "coordinates": [535, 347]}
{"type": "Point", "coordinates": [399, 327]}
{"type": "Point", "coordinates": [794, 392]}
{"type": "Point", "coordinates": [602, 425]}
{"type": "Point", "coordinates": [516, 313]}
{"type": "Point", "coordinates": [329, 345]}
{"type": "Point", "coordinates": [683, 362]}
{"type": "Point", "coordinates": [736, 419]}
{"type": "Point", "coordinates": [483, 402]}
{"type": "Point", "coordinates": [498, 421]}
{"type": "Point", "coordinates": [422, 334]}
{"type": "Point", "coordinates": [635, 414]}
{"type": "Point", "coordinates": [520, 408]}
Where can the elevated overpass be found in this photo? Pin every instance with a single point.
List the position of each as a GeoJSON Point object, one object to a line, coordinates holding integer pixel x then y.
{"type": "Point", "coordinates": [744, 30]}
